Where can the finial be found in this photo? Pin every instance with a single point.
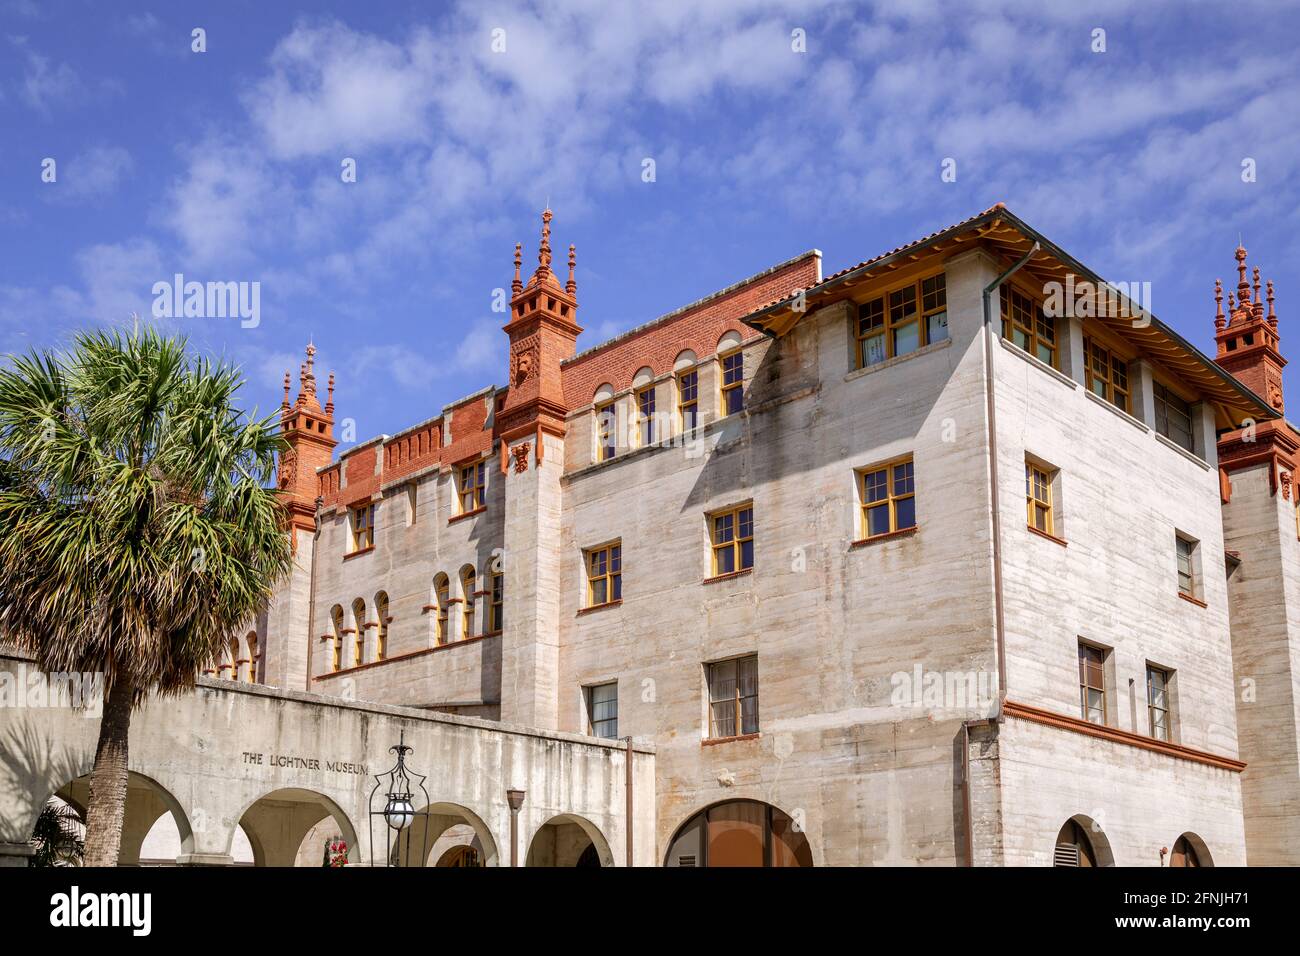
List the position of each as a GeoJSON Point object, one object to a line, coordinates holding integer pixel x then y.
{"type": "Point", "coordinates": [329, 397]}
{"type": "Point", "coordinates": [544, 250]}
{"type": "Point", "coordinates": [1218, 306]}
{"type": "Point", "coordinates": [518, 285]}
{"type": "Point", "coordinates": [1259, 302]}
{"type": "Point", "coordinates": [1272, 316]}
{"type": "Point", "coordinates": [285, 403]}
{"type": "Point", "coordinates": [309, 375]}
{"type": "Point", "coordinates": [571, 286]}
{"type": "Point", "coordinates": [1243, 287]}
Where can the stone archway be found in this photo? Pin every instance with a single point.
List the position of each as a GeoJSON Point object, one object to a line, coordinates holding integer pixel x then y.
{"type": "Point", "coordinates": [448, 825]}
{"type": "Point", "coordinates": [147, 801]}
{"type": "Point", "coordinates": [739, 833]}
{"type": "Point", "coordinates": [278, 823]}
{"type": "Point", "coordinates": [568, 840]}
{"type": "Point", "coordinates": [1082, 842]}
{"type": "Point", "coordinates": [1190, 850]}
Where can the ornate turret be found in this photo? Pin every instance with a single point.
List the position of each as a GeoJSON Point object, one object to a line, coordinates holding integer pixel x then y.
{"type": "Point", "coordinates": [1248, 339]}
{"type": "Point", "coordinates": [309, 430]}
{"type": "Point", "coordinates": [543, 331]}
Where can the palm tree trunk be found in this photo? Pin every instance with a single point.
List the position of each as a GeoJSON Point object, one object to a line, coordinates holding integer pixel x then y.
{"type": "Point", "coordinates": [107, 806]}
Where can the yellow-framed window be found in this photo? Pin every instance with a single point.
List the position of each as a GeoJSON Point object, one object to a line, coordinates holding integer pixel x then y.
{"type": "Point", "coordinates": [688, 400]}
{"type": "Point", "coordinates": [1092, 683]}
{"type": "Point", "coordinates": [888, 498]}
{"type": "Point", "coordinates": [473, 486]}
{"type": "Point", "coordinates": [381, 628]}
{"type": "Point", "coordinates": [1038, 498]}
{"type": "Point", "coordinates": [645, 410]}
{"type": "Point", "coordinates": [902, 321]}
{"type": "Point", "coordinates": [604, 574]}
{"type": "Point", "coordinates": [1158, 702]}
{"type": "Point", "coordinates": [731, 534]}
{"type": "Point", "coordinates": [733, 382]}
{"type": "Point", "coordinates": [469, 584]}
{"type": "Point", "coordinates": [1186, 551]}
{"type": "Point", "coordinates": [606, 431]}
{"type": "Point", "coordinates": [359, 637]}
{"type": "Point", "coordinates": [363, 527]}
{"type": "Point", "coordinates": [496, 606]}
{"type": "Point", "coordinates": [1026, 325]}
{"type": "Point", "coordinates": [1107, 375]}
{"type": "Point", "coordinates": [733, 697]}
{"type": "Point", "coordinates": [442, 592]}
{"type": "Point", "coordinates": [336, 646]}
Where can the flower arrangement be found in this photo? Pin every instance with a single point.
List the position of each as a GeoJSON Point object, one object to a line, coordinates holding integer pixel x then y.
{"type": "Point", "coordinates": [337, 853]}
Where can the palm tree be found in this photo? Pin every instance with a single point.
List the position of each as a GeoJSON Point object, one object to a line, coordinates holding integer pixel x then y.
{"type": "Point", "coordinates": [58, 836]}
{"type": "Point", "coordinates": [138, 527]}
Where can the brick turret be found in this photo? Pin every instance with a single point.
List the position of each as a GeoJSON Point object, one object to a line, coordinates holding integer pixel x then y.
{"type": "Point", "coordinates": [309, 429]}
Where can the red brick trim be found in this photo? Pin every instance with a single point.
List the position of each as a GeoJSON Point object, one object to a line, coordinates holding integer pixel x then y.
{"type": "Point", "coordinates": [714, 741]}
{"type": "Point", "coordinates": [369, 624]}
{"type": "Point", "coordinates": [356, 554]}
{"type": "Point", "coordinates": [1191, 600]}
{"type": "Point", "coordinates": [888, 536]}
{"type": "Point", "coordinates": [598, 607]}
{"type": "Point", "coordinates": [1050, 537]}
{"type": "Point", "coordinates": [1080, 726]}
{"type": "Point", "coordinates": [466, 514]}
{"type": "Point", "coordinates": [727, 577]}
{"type": "Point", "coordinates": [426, 609]}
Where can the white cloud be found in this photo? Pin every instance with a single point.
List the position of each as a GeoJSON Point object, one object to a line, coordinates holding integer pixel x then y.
{"type": "Point", "coordinates": [91, 174]}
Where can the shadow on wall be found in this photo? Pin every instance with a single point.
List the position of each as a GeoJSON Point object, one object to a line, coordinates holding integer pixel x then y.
{"type": "Point", "coordinates": [33, 766]}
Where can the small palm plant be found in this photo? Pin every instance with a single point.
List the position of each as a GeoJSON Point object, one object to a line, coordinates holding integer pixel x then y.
{"type": "Point", "coordinates": [58, 836]}
{"type": "Point", "coordinates": [138, 527]}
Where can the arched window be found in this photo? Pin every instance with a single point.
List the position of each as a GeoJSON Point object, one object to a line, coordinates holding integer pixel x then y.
{"type": "Point", "coordinates": [496, 605]}
{"type": "Point", "coordinates": [359, 621]}
{"type": "Point", "coordinates": [441, 597]}
{"type": "Point", "coordinates": [381, 630]}
{"type": "Point", "coordinates": [468, 584]}
{"type": "Point", "coordinates": [740, 833]}
{"type": "Point", "coordinates": [1074, 847]}
{"type": "Point", "coordinates": [251, 640]}
{"type": "Point", "coordinates": [336, 620]}
{"type": "Point", "coordinates": [232, 660]}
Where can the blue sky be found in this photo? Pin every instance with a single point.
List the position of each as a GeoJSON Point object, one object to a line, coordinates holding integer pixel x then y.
{"type": "Point", "coordinates": [225, 165]}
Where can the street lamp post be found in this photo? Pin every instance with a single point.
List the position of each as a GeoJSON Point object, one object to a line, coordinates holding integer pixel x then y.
{"type": "Point", "coordinates": [516, 800]}
{"type": "Point", "coordinates": [398, 814]}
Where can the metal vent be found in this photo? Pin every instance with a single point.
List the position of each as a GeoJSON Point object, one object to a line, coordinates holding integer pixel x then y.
{"type": "Point", "coordinates": [686, 860]}
{"type": "Point", "coordinates": [1067, 854]}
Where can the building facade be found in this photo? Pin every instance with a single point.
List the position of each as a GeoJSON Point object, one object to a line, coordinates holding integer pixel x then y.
{"type": "Point", "coordinates": [955, 557]}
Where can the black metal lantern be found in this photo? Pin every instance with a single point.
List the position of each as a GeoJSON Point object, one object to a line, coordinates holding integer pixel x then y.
{"type": "Point", "coordinates": [398, 815]}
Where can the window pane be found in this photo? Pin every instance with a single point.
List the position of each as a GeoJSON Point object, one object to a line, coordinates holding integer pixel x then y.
{"type": "Point", "coordinates": [726, 559]}
{"type": "Point", "coordinates": [906, 511]}
{"type": "Point", "coordinates": [735, 400]}
{"type": "Point", "coordinates": [617, 581]}
{"type": "Point", "coordinates": [907, 338]}
{"type": "Point", "coordinates": [873, 349]}
{"type": "Point", "coordinates": [937, 327]}
{"type": "Point", "coordinates": [746, 554]}
{"type": "Point", "coordinates": [599, 591]}
{"type": "Point", "coordinates": [874, 486]}
{"type": "Point", "coordinates": [878, 519]}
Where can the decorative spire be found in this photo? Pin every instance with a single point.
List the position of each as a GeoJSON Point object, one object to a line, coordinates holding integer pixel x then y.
{"type": "Point", "coordinates": [1259, 302]}
{"type": "Point", "coordinates": [1243, 287]}
{"type": "Point", "coordinates": [309, 374]}
{"type": "Point", "coordinates": [544, 250]}
{"type": "Point", "coordinates": [329, 400]}
{"type": "Point", "coordinates": [285, 404]}
{"type": "Point", "coordinates": [518, 286]}
{"type": "Point", "coordinates": [1219, 322]}
{"type": "Point", "coordinates": [1272, 316]}
{"type": "Point", "coordinates": [571, 286]}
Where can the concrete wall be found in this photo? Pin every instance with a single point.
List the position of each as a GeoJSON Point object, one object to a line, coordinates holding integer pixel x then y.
{"type": "Point", "coordinates": [194, 752]}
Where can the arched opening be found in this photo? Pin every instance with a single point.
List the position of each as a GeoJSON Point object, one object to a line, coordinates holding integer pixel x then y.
{"type": "Point", "coordinates": [450, 827]}
{"type": "Point", "coordinates": [161, 846]}
{"type": "Point", "coordinates": [292, 827]}
{"type": "Point", "coordinates": [739, 833]}
{"type": "Point", "coordinates": [568, 840]}
{"type": "Point", "coordinates": [496, 597]}
{"type": "Point", "coordinates": [253, 656]}
{"type": "Point", "coordinates": [460, 856]}
{"type": "Point", "coordinates": [229, 668]}
{"type": "Point", "coordinates": [359, 632]}
{"type": "Point", "coordinates": [1190, 850]}
{"type": "Point", "coordinates": [336, 650]}
{"type": "Point", "coordinates": [441, 597]}
{"type": "Point", "coordinates": [381, 626]}
{"type": "Point", "coordinates": [148, 804]}
{"type": "Point", "coordinates": [1081, 842]}
{"type": "Point", "coordinates": [468, 586]}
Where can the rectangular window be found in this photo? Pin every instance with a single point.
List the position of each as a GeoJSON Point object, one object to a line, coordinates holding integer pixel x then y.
{"type": "Point", "coordinates": [363, 527]}
{"type": "Point", "coordinates": [1038, 498]}
{"type": "Point", "coordinates": [732, 536]}
{"type": "Point", "coordinates": [1187, 557]}
{"type": "Point", "coordinates": [645, 408]}
{"type": "Point", "coordinates": [1092, 683]}
{"type": "Point", "coordinates": [496, 609]}
{"type": "Point", "coordinates": [602, 709]}
{"type": "Point", "coordinates": [1174, 418]}
{"type": "Point", "coordinates": [605, 575]}
{"type": "Point", "coordinates": [688, 400]}
{"type": "Point", "coordinates": [894, 325]}
{"type": "Point", "coordinates": [606, 431]}
{"type": "Point", "coordinates": [733, 697]}
{"type": "Point", "coordinates": [473, 483]}
{"type": "Point", "coordinates": [1158, 702]}
{"type": "Point", "coordinates": [888, 499]}
{"type": "Point", "coordinates": [1026, 325]}
{"type": "Point", "coordinates": [733, 382]}
{"type": "Point", "coordinates": [1107, 375]}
